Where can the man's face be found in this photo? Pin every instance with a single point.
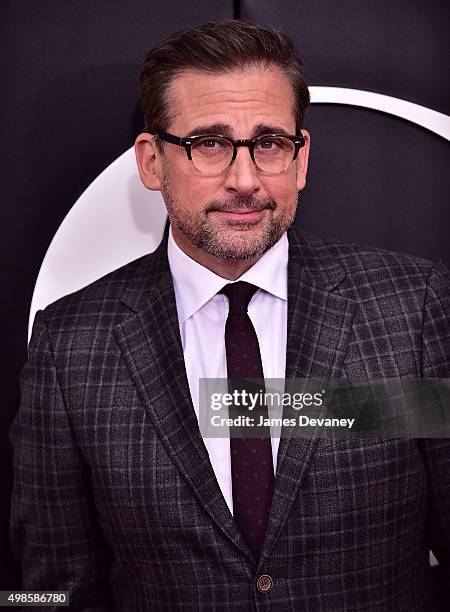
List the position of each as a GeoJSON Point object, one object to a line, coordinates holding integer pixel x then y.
{"type": "Point", "coordinates": [241, 213]}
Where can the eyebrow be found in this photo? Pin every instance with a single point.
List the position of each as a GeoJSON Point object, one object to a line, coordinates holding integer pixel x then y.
{"type": "Point", "coordinates": [224, 129]}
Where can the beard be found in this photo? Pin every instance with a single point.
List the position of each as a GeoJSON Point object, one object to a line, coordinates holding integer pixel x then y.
{"type": "Point", "coordinates": [230, 241]}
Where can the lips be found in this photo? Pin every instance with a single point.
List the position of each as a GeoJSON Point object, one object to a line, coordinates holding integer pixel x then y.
{"type": "Point", "coordinates": [243, 211]}
{"type": "Point", "coordinates": [241, 214]}
{"type": "Point", "coordinates": [240, 210]}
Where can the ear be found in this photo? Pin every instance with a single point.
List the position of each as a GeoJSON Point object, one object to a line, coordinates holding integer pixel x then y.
{"type": "Point", "coordinates": [302, 161]}
{"type": "Point", "coordinates": [148, 159]}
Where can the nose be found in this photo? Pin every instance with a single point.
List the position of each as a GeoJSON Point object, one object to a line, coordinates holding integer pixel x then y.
{"type": "Point", "coordinates": [242, 176]}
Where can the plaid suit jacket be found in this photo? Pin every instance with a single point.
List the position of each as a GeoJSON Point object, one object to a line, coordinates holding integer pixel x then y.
{"type": "Point", "coordinates": [115, 499]}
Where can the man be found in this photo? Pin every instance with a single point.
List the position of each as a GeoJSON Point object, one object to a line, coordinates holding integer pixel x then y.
{"type": "Point", "coordinates": [118, 499]}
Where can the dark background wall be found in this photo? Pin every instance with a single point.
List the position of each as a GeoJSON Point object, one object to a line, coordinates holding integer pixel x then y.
{"type": "Point", "coordinates": [69, 73]}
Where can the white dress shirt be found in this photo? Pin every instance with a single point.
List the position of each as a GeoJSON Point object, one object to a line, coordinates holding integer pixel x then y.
{"type": "Point", "coordinates": [202, 314]}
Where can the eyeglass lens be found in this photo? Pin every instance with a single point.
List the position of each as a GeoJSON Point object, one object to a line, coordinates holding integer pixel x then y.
{"type": "Point", "coordinates": [212, 155]}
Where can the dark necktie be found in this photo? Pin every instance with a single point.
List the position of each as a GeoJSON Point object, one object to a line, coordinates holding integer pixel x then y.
{"type": "Point", "coordinates": [251, 458]}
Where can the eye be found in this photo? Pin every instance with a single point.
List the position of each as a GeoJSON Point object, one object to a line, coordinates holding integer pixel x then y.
{"type": "Point", "coordinates": [268, 144]}
{"type": "Point", "coordinates": [211, 146]}
{"type": "Point", "coordinates": [272, 144]}
{"type": "Point", "coordinates": [211, 143]}
{"type": "Point", "coordinates": [275, 145]}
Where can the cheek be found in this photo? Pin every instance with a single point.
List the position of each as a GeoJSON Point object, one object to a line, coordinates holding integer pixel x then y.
{"type": "Point", "coordinates": [192, 191]}
{"type": "Point", "coordinates": [284, 193]}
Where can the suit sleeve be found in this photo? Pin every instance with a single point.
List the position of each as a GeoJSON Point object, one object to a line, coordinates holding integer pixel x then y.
{"type": "Point", "coordinates": [54, 532]}
{"type": "Point", "coordinates": [436, 452]}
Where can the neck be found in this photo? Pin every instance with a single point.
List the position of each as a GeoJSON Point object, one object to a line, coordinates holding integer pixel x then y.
{"type": "Point", "coordinates": [230, 270]}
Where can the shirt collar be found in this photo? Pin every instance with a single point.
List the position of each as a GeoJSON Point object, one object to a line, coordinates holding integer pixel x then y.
{"type": "Point", "coordinates": [195, 285]}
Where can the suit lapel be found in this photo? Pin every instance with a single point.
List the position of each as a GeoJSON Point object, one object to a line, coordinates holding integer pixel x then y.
{"type": "Point", "coordinates": [319, 324]}
{"type": "Point", "coordinates": [151, 345]}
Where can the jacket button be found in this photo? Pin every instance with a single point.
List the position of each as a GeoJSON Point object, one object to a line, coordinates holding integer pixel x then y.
{"type": "Point", "coordinates": [264, 583]}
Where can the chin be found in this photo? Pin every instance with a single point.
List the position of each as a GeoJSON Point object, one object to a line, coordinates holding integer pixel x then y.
{"type": "Point", "coordinates": [242, 247]}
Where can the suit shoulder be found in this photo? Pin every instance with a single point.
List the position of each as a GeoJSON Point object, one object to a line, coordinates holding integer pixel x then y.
{"type": "Point", "coordinates": [355, 257]}
{"type": "Point", "coordinates": [376, 262]}
{"type": "Point", "coordinates": [365, 266]}
{"type": "Point", "coordinates": [100, 299]}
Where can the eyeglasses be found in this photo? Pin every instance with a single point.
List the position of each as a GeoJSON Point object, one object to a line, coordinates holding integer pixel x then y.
{"type": "Point", "coordinates": [212, 154]}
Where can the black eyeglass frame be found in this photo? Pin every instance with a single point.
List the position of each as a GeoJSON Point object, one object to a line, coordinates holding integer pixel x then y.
{"type": "Point", "coordinates": [187, 142]}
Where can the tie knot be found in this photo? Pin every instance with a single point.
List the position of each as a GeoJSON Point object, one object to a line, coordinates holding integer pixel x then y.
{"type": "Point", "coordinates": [239, 295]}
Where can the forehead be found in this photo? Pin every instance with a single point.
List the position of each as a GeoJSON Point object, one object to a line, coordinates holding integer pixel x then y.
{"type": "Point", "coordinates": [241, 99]}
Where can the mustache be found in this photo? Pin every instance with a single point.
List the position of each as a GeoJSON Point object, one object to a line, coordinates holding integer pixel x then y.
{"type": "Point", "coordinates": [239, 203]}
